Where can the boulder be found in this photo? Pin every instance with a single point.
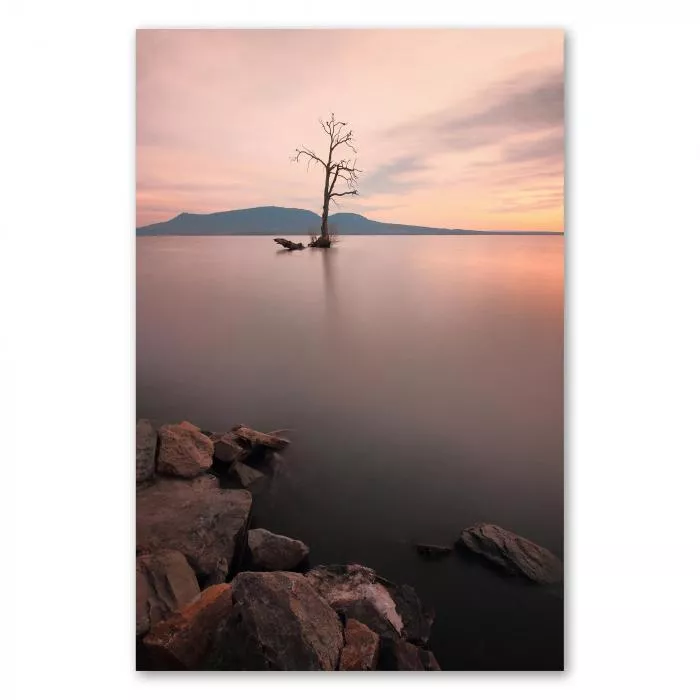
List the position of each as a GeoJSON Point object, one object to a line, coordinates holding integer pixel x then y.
{"type": "Point", "coordinates": [164, 583]}
{"type": "Point", "coordinates": [146, 441]}
{"type": "Point", "coordinates": [247, 437]}
{"type": "Point", "coordinates": [278, 623]}
{"type": "Point", "coordinates": [432, 551]}
{"type": "Point", "coordinates": [417, 618]}
{"type": "Point", "coordinates": [512, 553]}
{"type": "Point", "coordinates": [392, 611]}
{"type": "Point", "coordinates": [226, 449]}
{"type": "Point", "coordinates": [207, 524]}
{"type": "Point", "coordinates": [361, 650]}
{"type": "Point", "coordinates": [245, 476]}
{"type": "Point", "coordinates": [183, 641]}
{"type": "Point", "coordinates": [399, 655]}
{"type": "Point", "coordinates": [184, 451]}
{"type": "Point", "coordinates": [271, 552]}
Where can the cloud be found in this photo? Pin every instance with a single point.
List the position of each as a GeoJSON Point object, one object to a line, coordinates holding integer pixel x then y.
{"type": "Point", "coordinates": [549, 149]}
{"type": "Point", "coordinates": [520, 105]}
{"type": "Point", "coordinates": [516, 113]}
{"type": "Point", "coordinates": [390, 177]}
{"type": "Point", "coordinates": [543, 202]}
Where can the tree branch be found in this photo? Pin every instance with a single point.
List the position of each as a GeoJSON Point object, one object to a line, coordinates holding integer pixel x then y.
{"type": "Point", "coordinates": [300, 152]}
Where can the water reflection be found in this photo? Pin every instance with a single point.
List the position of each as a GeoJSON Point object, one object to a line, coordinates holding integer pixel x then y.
{"type": "Point", "coordinates": [330, 293]}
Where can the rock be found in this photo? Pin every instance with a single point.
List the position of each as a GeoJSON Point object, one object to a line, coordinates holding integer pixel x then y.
{"type": "Point", "coordinates": [404, 656]}
{"type": "Point", "coordinates": [182, 641]}
{"type": "Point", "coordinates": [146, 441]}
{"type": "Point", "coordinates": [357, 592]}
{"type": "Point", "coordinates": [353, 590]}
{"type": "Point", "coordinates": [512, 553]}
{"type": "Point", "coordinates": [207, 524]}
{"type": "Point", "coordinates": [184, 451]}
{"type": "Point", "coordinates": [432, 551]}
{"type": "Point", "coordinates": [165, 582]}
{"type": "Point", "coordinates": [246, 476]}
{"type": "Point", "coordinates": [361, 650]}
{"type": "Point", "coordinates": [143, 617]}
{"type": "Point", "coordinates": [226, 449]}
{"type": "Point", "coordinates": [271, 552]}
{"type": "Point", "coordinates": [278, 623]}
{"type": "Point", "coordinates": [417, 619]}
{"type": "Point", "coordinates": [248, 437]}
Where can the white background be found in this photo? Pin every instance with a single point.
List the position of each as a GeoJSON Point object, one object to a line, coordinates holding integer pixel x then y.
{"type": "Point", "coordinates": [67, 227]}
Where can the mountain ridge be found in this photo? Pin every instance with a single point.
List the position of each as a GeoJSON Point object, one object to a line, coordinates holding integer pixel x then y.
{"type": "Point", "coordinates": [273, 220]}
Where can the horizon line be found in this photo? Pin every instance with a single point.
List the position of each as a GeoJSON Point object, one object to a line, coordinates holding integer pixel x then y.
{"type": "Point", "coordinates": [310, 211]}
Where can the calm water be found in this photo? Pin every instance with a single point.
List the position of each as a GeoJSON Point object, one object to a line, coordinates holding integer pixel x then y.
{"type": "Point", "coordinates": [422, 380]}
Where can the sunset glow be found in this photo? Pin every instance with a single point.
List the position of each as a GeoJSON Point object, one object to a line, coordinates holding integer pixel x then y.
{"type": "Point", "coordinates": [455, 128]}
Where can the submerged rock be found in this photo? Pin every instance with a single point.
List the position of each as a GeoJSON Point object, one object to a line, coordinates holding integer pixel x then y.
{"type": "Point", "coordinates": [399, 655]}
{"type": "Point", "coordinates": [146, 441]}
{"type": "Point", "coordinates": [392, 611]}
{"type": "Point", "coordinates": [164, 583]}
{"type": "Point", "coordinates": [183, 641]}
{"type": "Point", "coordinates": [271, 552]}
{"type": "Point", "coordinates": [246, 477]}
{"type": "Point", "coordinates": [184, 451]}
{"type": "Point", "coordinates": [226, 449]}
{"type": "Point", "coordinates": [278, 623]}
{"type": "Point", "coordinates": [274, 464]}
{"type": "Point", "coordinates": [361, 650]}
{"type": "Point", "coordinates": [432, 551]}
{"type": "Point", "coordinates": [512, 553]}
{"type": "Point", "coordinates": [195, 517]}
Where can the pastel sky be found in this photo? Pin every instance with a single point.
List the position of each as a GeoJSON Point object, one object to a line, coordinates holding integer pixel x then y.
{"type": "Point", "coordinates": [458, 128]}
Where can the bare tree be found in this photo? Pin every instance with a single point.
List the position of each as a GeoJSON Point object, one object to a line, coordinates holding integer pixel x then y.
{"type": "Point", "coordinates": [339, 172]}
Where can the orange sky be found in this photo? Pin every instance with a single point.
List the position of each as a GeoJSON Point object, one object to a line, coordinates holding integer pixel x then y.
{"type": "Point", "coordinates": [458, 128]}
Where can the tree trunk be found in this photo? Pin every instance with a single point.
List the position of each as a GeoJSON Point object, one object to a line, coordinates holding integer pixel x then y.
{"type": "Point", "coordinates": [326, 196]}
{"type": "Point", "coordinates": [324, 218]}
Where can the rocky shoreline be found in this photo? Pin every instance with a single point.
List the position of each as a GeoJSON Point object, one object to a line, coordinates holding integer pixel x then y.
{"type": "Point", "coordinates": [212, 593]}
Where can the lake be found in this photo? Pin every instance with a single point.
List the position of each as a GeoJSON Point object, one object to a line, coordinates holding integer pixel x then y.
{"type": "Point", "coordinates": [421, 380]}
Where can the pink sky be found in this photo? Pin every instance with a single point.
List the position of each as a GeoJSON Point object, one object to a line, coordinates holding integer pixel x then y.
{"type": "Point", "coordinates": [459, 128]}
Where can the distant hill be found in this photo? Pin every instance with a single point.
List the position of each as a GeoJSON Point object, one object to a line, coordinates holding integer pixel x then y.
{"type": "Point", "coordinates": [268, 221]}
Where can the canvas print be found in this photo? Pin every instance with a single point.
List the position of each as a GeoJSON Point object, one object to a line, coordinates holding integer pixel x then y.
{"type": "Point", "coordinates": [349, 350]}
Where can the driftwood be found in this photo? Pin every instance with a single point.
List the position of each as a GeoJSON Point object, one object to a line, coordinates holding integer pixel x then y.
{"type": "Point", "coordinates": [254, 438]}
{"type": "Point", "coordinates": [321, 242]}
{"type": "Point", "coordinates": [289, 245]}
